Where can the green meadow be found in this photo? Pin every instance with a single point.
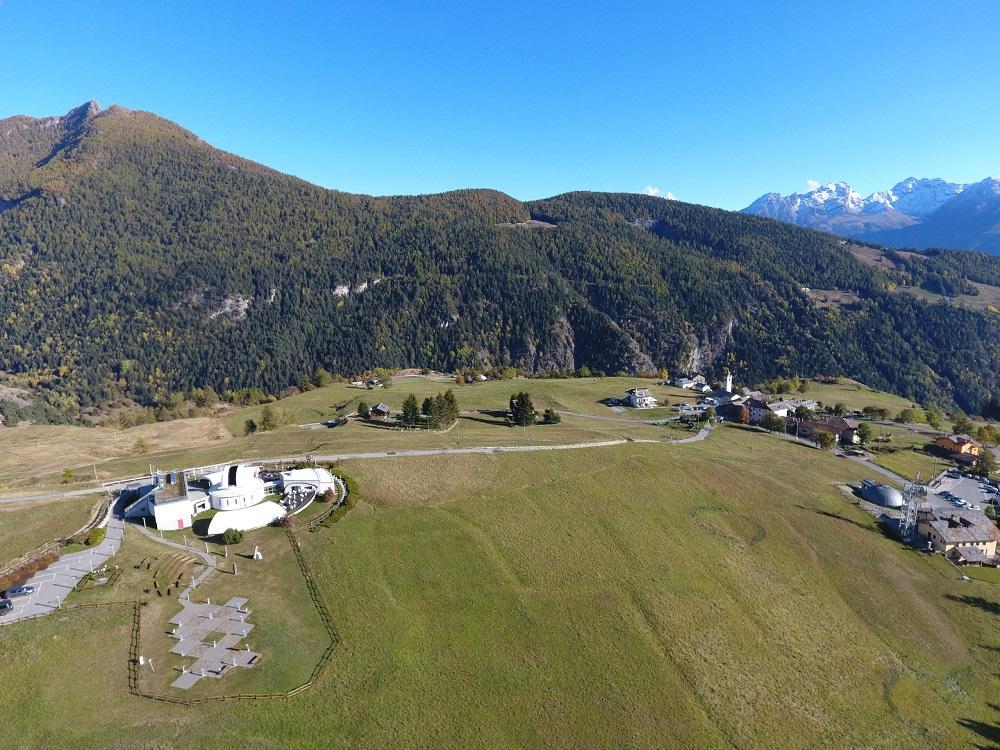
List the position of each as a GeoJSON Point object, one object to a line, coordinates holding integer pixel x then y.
{"type": "Point", "coordinates": [719, 594]}
{"type": "Point", "coordinates": [25, 526]}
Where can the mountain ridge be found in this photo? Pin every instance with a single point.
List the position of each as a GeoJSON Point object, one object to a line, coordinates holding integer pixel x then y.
{"type": "Point", "coordinates": [140, 261]}
{"type": "Point", "coordinates": [919, 213]}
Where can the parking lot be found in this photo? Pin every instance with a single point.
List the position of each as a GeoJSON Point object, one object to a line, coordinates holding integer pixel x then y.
{"type": "Point", "coordinates": [55, 582]}
{"type": "Point", "coordinates": [949, 487]}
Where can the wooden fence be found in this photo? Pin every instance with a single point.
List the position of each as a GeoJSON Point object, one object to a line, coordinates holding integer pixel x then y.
{"type": "Point", "coordinates": [334, 507]}
{"type": "Point", "coordinates": [321, 665]}
{"type": "Point", "coordinates": [136, 689]}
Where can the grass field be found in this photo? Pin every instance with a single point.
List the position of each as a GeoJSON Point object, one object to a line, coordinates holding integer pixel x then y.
{"type": "Point", "coordinates": [583, 395]}
{"type": "Point", "coordinates": [25, 526]}
{"type": "Point", "coordinates": [718, 594]}
{"type": "Point", "coordinates": [905, 454]}
{"type": "Point", "coordinates": [908, 463]}
{"type": "Point", "coordinates": [34, 456]}
{"type": "Point", "coordinates": [109, 454]}
{"type": "Point", "coordinates": [856, 395]}
{"type": "Point", "coordinates": [287, 631]}
{"type": "Point", "coordinates": [987, 299]}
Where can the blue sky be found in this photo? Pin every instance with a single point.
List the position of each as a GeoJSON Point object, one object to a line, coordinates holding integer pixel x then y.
{"type": "Point", "coordinates": [715, 103]}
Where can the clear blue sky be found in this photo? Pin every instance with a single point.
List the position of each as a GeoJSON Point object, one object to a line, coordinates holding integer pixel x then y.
{"type": "Point", "coordinates": [714, 102]}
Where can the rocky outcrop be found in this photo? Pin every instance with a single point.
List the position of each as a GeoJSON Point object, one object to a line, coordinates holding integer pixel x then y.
{"type": "Point", "coordinates": [553, 352]}
{"type": "Point", "coordinates": [702, 351]}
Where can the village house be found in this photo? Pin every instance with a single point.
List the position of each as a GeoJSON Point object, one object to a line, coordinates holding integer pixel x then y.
{"type": "Point", "coordinates": [689, 382]}
{"type": "Point", "coordinates": [845, 431]}
{"type": "Point", "coordinates": [759, 409]}
{"type": "Point", "coordinates": [379, 411]}
{"type": "Point", "coordinates": [721, 397]}
{"type": "Point", "coordinates": [640, 398]}
{"type": "Point", "coordinates": [966, 536]}
{"type": "Point", "coordinates": [958, 444]}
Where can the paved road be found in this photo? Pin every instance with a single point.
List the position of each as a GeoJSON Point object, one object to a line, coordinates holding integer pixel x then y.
{"type": "Point", "coordinates": [665, 420]}
{"type": "Point", "coordinates": [107, 486]}
{"type": "Point", "coordinates": [702, 434]}
{"type": "Point", "coordinates": [56, 581]}
{"type": "Point", "coordinates": [875, 467]}
{"type": "Point", "coordinates": [456, 451]}
{"type": "Point", "coordinates": [483, 449]}
{"type": "Point", "coordinates": [857, 459]}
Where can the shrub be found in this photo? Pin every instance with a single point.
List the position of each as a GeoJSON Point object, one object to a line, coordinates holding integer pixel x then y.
{"type": "Point", "coordinates": [95, 537]}
{"type": "Point", "coordinates": [232, 536]}
{"type": "Point", "coordinates": [328, 497]}
{"type": "Point", "coordinates": [351, 483]}
{"type": "Point", "coordinates": [551, 416]}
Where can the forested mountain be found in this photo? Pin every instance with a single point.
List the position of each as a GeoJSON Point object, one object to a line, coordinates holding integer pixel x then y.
{"type": "Point", "coordinates": [137, 260]}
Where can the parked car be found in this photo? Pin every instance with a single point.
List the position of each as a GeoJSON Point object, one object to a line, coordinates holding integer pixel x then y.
{"type": "Point", "coordinates": [19, 591]}
{"type": "Point", "coordinates": [6, 605]}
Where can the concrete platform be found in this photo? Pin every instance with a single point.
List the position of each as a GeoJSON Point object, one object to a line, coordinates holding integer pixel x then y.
{"type": "Point", "coordinates": [211, 634]}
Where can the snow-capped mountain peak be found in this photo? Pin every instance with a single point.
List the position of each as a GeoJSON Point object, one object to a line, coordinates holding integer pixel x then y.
{"type": "Point", "coordinates": [914, 212]}
{"type": "Point", "coordinates": [834, 206]}
{"type": "Point", "coordinates": [921, 198]}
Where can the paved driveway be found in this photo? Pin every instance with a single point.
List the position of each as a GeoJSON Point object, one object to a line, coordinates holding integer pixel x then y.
{"type": "Point", "coordinates": [54, 583]}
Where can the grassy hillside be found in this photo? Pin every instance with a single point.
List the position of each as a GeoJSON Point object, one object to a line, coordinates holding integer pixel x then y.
{"type": "Point", "coordinates": [48, 450]}
{"type": "Point", "coordinates": [708, 595]}
{"type": "Point", "coordinates": [857, 396]}
{"type": "Point", "coordinates": [25, 526]}
{"type": "Point", "coordinates": [582, 395]}
{"type": "Point", "coordinates": [33, 458]}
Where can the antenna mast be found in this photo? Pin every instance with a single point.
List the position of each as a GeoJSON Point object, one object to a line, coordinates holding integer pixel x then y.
{"type": "Point", "coordinates": [913, 496]}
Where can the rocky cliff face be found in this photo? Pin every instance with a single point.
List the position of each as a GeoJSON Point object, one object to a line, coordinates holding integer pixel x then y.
{"type": "Point", "coordinates": [703, 350]}
{"type": "Point", "coordinates": [555, 352]}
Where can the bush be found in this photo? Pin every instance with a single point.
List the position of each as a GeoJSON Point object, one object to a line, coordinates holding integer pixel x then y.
{"type": "Point", "coordinates": [232, 536]}
{"type": "Point", "coordinates": [551, 416]}
{"type": "Point", "coordinates": [95, 537]}
{"type": "Point", "coordinates": [327, 497]}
